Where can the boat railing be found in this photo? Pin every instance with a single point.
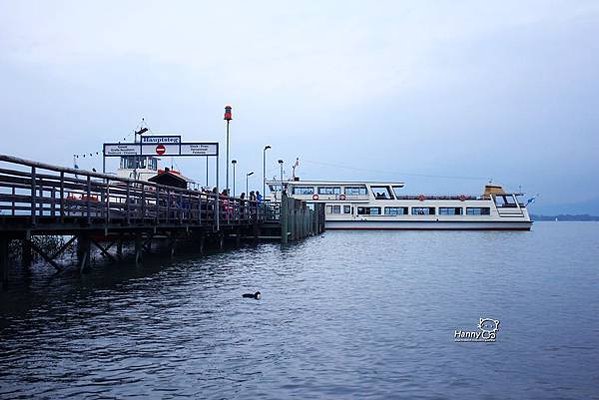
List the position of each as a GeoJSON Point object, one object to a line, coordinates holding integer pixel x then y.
{"type": "Point", "coordinates": [453, 197]}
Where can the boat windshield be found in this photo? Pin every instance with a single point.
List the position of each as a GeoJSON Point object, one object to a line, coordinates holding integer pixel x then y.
{"type": "Point", "coordinates": [382, 193]}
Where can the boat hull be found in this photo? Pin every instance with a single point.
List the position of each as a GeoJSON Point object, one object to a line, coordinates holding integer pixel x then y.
{"type": "Point", "coordinates": [430, 225]}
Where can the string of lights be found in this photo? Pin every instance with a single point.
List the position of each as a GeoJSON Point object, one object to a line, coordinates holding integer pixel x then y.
{"type": "Point", "coordinates": [142, 127]}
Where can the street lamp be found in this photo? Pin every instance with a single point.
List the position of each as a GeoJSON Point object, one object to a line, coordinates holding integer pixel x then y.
{"type": "Point", "coordinates": [228, 118]}
{"type": "Point", "coordinates": [234, 162]}
{"type": "Point", "coordinates": [264, 170]}
{"type": "Point", "coordinates": [247, 179]}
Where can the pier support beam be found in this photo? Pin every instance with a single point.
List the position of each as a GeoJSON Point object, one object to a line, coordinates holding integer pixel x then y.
{"type": "Point", "coordinates": [3, 261]}
{"type": "Point", "coordinates": [202, 243]}
{"type": "Point", "coordinates": [138, 249]}
{"type": "Point", "coordinates": [26, 253]}
{"type": "Point", "coordinates": [119, 248]}
{"type": "Point", "coordinates": [172, 245]}
{"type": "Point", "coordinates": [221, 241]}
{"type": "Point", "coordinates": [83, 253]}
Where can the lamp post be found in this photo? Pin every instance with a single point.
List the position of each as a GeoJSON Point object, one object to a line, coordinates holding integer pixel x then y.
{"type": "Point", "coordinates": [247, 184]}
{"type": "Point", "coordinates": [281, 165]}
{"type": "Point", "coordinates": [228, 118]}
{"type": "Point", "coordinates": [264, 170]}
{"type": "Point", "coordinates": [207, 180]}
{"type": "Point", "coordinates": [234, 162]}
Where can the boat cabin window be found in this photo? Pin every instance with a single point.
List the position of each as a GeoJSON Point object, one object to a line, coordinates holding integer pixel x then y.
{"type": "Point", "coordinates": [333, 209]}
{"type": "Point", "coordinates": [346, 209]}
{"type": "Point", "coordinates": [396, 190]}
{"type": "Point", "coordinates": [478, 211]}
{"type": "Point", "coordinates": [423, 210]}
{"type": "Point", "coordinates": [504, 200]}
{"type": "Point", "coordinates": [381, 192]}
{"type": "Point", "coordinates": [369, 211]}
{"type": "Point", "coordinates": [450, 211]}
{"type": "Point", "coordinates": [329, 190]}
{"type": "Point", "coordinates": [139, 162]}
{"type": "Point", "coordinates": [303, 190]}
{"type": "Point", "coordinates": [396, 210]}
{"type": "Point", "coordinates": [355, 191]}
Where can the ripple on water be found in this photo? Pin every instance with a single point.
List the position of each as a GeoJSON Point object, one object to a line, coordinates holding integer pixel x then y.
{"type": "Point", "coordinates": [347, 314]}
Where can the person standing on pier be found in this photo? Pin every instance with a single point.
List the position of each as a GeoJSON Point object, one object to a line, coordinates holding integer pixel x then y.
{"type": "Point", "coordinates": [252, 204]}
{"type": "Point", "coordinates": [242, 205]}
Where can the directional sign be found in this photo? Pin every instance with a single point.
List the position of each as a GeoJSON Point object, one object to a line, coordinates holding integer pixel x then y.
{"type": "Point", "coordinates": [199, 149]}
{"type": "Point", "coordinates": [118, 149]}
{"type": "Point", "coordinates": [161, 149]}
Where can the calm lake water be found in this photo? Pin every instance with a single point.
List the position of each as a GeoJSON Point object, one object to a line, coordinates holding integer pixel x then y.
{"type": "Point", "coordinates": [343, 315]}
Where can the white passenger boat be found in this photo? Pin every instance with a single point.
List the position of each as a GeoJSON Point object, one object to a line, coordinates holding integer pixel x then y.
{"type": "Point", "coordinates": [381, 205]}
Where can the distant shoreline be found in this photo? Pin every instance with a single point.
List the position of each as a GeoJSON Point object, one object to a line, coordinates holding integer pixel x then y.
{"type": "Point", "coordinates": [565, 217]}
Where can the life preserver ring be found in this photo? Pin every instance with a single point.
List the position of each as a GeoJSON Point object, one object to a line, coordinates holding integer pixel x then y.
{"type": "Point", "coordinates": [462, 197]}
{"type": "Point", "coordinates": [421, 197]}
{"type": "Point", "coordinates": [342, 197]}
{"type": "Point", "coordinates": [315, 196]}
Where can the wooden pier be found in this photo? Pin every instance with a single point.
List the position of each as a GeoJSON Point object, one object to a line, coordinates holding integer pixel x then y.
{"type": "Point", "coordinates": [102, 211]}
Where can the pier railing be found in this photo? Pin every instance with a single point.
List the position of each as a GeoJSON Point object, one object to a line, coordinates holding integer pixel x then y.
{"type": "Point", "coordinates": [34, 194]}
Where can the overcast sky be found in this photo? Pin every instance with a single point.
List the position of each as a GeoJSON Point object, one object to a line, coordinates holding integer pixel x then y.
{"type": "Point", "coordinates": [441, 95]}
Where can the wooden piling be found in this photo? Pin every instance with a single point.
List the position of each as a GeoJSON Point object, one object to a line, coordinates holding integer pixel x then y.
{"type": "Point", "coordinates": [119, 247]}
{"type": "Point", "coordinates": [4, 241]}
{"type": "Point", "coordinates": [284, 218]}
{"type": "Point", "coordinates": [138, 249]}
{"type": "Point", "coordinates": [26, 253]}
{"type": "Point", "coordinates": [83, 252]}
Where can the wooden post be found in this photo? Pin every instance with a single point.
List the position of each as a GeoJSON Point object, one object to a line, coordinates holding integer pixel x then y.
{"type": "Point", "coordinates": [292, 218]}
{"type": "Point", "coordinates": [33, 196]}
{"type": "Point", "coordinates": [13, 201]}
{"type": "Point", "coordinates": [62, 213]}
{"type": "Point", "coordinates": [128, 203]}
{"type": "Point", "coordinates": [157, 216]}
{"type": "Point", "coordinates": [88, 201]}
{"type": "Point", "coordinates": [143, 203]}
{"type": "Point", "coordinates": [180, 207]}
{"type": "Point", "coordinates": [168, 205]}
{"type": "Point", "coordinates": [41, 198]}
{"type": "Point", "coordinates": [107, 215]}
{"type": "Point", "coordinates": [53, 202]}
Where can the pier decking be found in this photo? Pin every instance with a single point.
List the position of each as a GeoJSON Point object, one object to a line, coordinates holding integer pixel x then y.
{"type": "Point", "coordinates": [94, 208]}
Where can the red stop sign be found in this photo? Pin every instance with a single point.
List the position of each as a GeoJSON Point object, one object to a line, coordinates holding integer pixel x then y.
{"type": "Point", "coordinates": [160, 149]}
